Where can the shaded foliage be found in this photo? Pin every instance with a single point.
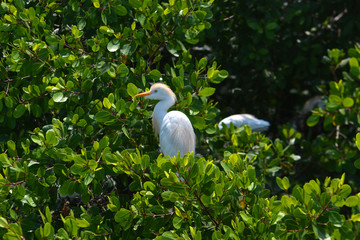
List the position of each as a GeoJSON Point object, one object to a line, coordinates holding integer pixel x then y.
{"type": "Point", "coordinates": [273, 51]}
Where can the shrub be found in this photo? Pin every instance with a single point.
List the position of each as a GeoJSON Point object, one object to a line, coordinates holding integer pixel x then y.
{"type": "Point", "coordinates": [79, 159]}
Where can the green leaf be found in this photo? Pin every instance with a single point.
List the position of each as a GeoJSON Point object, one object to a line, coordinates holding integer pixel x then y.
{"type": "Point", "coordinates": [271, 26]}
{"type": "Point", "coordinates": [123, 70]}
{"type": "Point", "coordinates": [120, 10]}
{"type": "Point", "coordinates": [320, 232]}
{"type": "Point", "coordinates": [219, 190]}
{"type": "Point", "coordinates": [51, 179]}
{"type": "Point", "coordinates": [352, 201]}
{"type": "Point", "coordinates": [67, 188]}
{"type": "Point", "coordinates": [354, 66]}
{"type": "Point", "coordinates": [82, 123]}
{"type": "Point", "coordinates": [3, 222]}
{"type": "Point", "coordinates": [345, 191]}
{"type": "Point", "coordinates": [19, 110]}
{"type": "Point", "coordinates": [149, 186]}
{"type": "Point", "coordinates": [206, 92]}
{"type": "Point", "coordinates": [125, 49]}
{"type": "Point", "coordinates": [12, 148]}
{"type": "Point", "coordinates": [357, 162]}
{"type": "Point", "coordinates": [47, 229]}
{"type": "Point", "coordinates": [19, 4]}
{"type": "Point", "coordinates": [111, 72]}
{"type": "Point", "coordinates": [103, 17]}
{"type": "Point", "coordinates": [155, 75]}
{"type": "Point", "coordinates": [113, 45]}
{"type": "Point", "coordinates": [167, 11]}
{"type": "Point", "coordinates": [348, 102]}
{"type": "Point", "coordinates": [9, 102]}
{"type": "Point", "coordinates": [51, 139]}
{"type": "Point", "coordinates": [169, 195]}
{"type": "Point", "coordinates": [37, 140]}
{"type": "Point", "coordinates": [284, 183]}
{"type": "Point", "coordinates": [177, 223]}
{"type": "Point", "coordinates": [89, 177]}
{"type": "Point", "coordinates": [125, 131]}
{"type": "Point", "coordinates": [96, 3]}
{"type": "Point", "coordinates": [82, 223]}
{"type": "Point", "coordinates": [123, 216]}
{"type": "Point", "coordinates": [77, 169]}
{"type": "Point", "coordinates": [355, 217]}
{"type": "Point", "coordinates": [81, 24]}
{"type": "Point", "coordinates": [103, 116]}
{"type": "Point", "coordinates": [107, 103]}
{"type": "Point", "coordinates": [199, 123]}
{"type": "Point", "coordinates": [202, 63]}
{"type": "Point", "coordinates": [219, 76]}
{"type": "Point", "coordinates": [336, 219]}
{"type": "Point", "coordinates": [251, 174]}
{"type": "Point", "coordinates": [312, 120]}
{"type": "Point", "coordinates": [178, 82]}
{"type": "Point", "coordinates": [104, 142]}
{"type": "Point", "coordinates": [86, 85]}
{"type": "Point", "coordinates": [334, 98]}
{"type": "Point", "coordinates": [135, 3]}
{"type": "Point", "coordinates": [132, 89]}
{"type": "Point", "coordinates": [59, 97]}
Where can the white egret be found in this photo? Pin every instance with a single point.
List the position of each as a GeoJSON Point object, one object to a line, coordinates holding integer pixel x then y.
{"type": "Point", "coordinates": [173, 128]}
{"type": "Point", "coordinates": [257, 125]}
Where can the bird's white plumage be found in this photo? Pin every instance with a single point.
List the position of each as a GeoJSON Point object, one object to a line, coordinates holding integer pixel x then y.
{"type": "Point", "coordinates": [173, 128]}
{"type": "Point", "coordinates": [176, 134]}
{"type": "Point", "coordinates": [257, 125]}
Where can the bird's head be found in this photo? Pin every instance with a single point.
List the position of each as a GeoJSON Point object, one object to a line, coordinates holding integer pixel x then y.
{"type": "Point", "coordinates": [159, 91]}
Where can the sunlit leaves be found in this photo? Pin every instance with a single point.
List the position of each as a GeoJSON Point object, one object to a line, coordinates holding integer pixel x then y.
{"type": "Point", "coordinates": [206, 92]}
{"type": "Point", "coordinates": [312, 120]}
{"type": "Point", "coordinates": [284, 183]}
{"type": "Point", "coordinates": [59, 97]}
{"type": "Point", "coordinates": [357, 141]}
{"type": "Point", "coordinates": [123, 216]}
{"type": "Point", "coordinates": [132, 90]}
{"type": "Point", "coordinates": [51, 139]}
{"type": "Point", "coordinates": [113, 45]}
{"type": "Point", "coordinates": [155, 74]}
{"type": "Point", "coordinates": [354, 67]}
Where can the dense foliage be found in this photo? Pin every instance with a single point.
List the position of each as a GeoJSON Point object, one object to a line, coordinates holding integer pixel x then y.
{"type": "Point", "coordinates": [80, 161]}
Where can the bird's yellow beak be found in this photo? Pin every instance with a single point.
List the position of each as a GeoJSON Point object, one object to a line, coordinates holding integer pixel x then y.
{"type": "Point", "coordinates": [143, 94]}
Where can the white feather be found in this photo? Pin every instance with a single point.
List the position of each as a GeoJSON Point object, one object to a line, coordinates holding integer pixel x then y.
{"type": "Point", "coordinates": [176, 134]}
{"type": "Point", "coordinates": [257, 125]}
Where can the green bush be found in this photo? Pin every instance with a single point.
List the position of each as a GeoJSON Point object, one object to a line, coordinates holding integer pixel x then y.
{"type": "Point", "coordinates": [79, 159]}
{"type": "Point", "coordinates": [335, 148]}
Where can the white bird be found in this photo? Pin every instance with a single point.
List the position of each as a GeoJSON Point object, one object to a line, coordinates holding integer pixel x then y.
{"type": "Point", "coordinates": [257, 125]}
{"type": "Point", "coordinates": [173, 128]}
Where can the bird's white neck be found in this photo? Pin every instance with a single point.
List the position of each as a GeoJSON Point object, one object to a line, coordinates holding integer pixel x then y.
{"type": "Point", "coordinates": [159, 113]}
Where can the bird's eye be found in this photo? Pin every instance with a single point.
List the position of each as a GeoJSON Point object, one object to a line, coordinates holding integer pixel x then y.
{"type": "Point", "coordinates": [155, 91]}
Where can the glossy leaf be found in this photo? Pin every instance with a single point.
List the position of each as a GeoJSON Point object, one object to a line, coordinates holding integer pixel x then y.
{"type": "Point", "coordinates": [206, 92]}
{"type": "Point", "coordinates": [19, 111]}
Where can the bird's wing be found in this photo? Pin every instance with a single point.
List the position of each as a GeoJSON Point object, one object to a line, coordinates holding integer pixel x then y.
{"type": "Point", "coordinates": [177, 134]}
{"type": "Point", "coordinates": [237, 120]}
{"type": "Point", "coordinates": [245, 119]}
{"type": "Point", "coordinates": [257, 125]}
